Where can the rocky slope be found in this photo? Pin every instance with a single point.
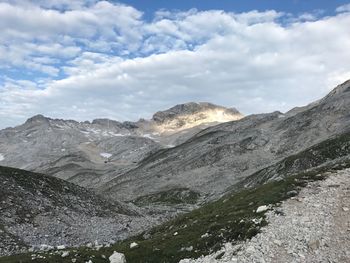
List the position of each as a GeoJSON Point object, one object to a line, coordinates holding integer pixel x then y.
{"type": "Point", "coordinates": [311, 227]}
{"type": "Point", "coordinates": [41, 211]}
{"type": "Point", "coordinates": [263, 160]}
{"type": "Point", "coordinates": [91, 154]}
{"type": "Point", "coordinates": [232, 220]}
{"type": "Point", "coordinates": [225, 154]}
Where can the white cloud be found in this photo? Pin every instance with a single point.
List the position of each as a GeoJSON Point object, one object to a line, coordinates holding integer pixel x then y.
{"type": "Point", "coordinates": [343, 8]}
{"type": "Point", "coordinates": [254, 61]}
{"type": "Point", "coordinates": [31, 29]}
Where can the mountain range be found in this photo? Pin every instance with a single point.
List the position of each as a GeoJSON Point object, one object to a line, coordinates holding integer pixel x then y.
{"type": "Point", "coordinates": [183, 159]}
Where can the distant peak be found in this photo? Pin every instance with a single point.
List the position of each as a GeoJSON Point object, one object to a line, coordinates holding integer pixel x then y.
{"type": "Point", "coordinates": [192, 114]}
{"type": "Point", "coordinates": [38, 119]}
{"type": "Point", "coordinates": [190, 108]}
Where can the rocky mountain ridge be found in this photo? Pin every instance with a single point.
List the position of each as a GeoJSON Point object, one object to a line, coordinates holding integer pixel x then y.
{"type": "Point", "coordinates": [223, 173]}
{"type": "Point", "coordinates": [92, 153]}
{"type": "Point", "coordinates": [225, 154]}
{"type": "Point", "coordinates": [116, 161]}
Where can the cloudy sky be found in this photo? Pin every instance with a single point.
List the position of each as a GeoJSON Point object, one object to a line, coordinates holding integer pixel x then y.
{"type": "Point", "coordinates": [125, 60]}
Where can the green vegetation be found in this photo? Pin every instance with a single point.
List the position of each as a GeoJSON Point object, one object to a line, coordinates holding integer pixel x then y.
{"type": "Point", "coordinates": [170, 197]}
{"type": "Point", "coordinates": [231, 218]}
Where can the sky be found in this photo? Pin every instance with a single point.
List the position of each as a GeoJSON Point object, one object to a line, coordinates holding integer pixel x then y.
{"type": "Point", "coordinates": [87, 59]}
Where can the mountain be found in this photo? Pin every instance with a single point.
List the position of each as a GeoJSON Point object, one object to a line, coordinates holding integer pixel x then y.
{"type": "Point", "coordinates": [90, 154]}
{"type": "Point", "coordinates": [189, 115]}
{"type": "Point", "coordinates": [177, 124]}
{"type": "Point", "coordinates": [133, 162]}
{"type": "Point", "coordinates": [41, 211]}
{"type": "Point", "coordinates": [221, 156]}
{"type": "Point", "coordinates": [223, 173]}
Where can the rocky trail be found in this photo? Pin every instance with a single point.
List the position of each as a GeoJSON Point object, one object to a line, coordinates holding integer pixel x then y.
{"type": "Point", "coordinates": [312, 227]}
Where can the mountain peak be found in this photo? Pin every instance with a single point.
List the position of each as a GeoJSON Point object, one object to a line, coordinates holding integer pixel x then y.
{"type": "Point", "coordinates": [37, 119]}
{"type": "Point", "coordinates": [191, 108]}
{"type": "Point", "coordinates": [191, 114]}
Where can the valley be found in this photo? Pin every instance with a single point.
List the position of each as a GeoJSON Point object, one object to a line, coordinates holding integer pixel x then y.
{"type": "Point", "coordinates": [111, 184]}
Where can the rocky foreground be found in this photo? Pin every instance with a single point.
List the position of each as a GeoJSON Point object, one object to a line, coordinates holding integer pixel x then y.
{"type": "Point", "coordinates": [311, 227]}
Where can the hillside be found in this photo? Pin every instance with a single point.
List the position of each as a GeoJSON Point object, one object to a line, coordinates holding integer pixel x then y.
{"type": "Point", "coordinates": [233, 218]}
{"type": "Point", "coordinates": [39, 210]}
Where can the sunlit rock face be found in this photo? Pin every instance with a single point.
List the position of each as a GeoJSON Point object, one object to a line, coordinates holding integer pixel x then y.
{"type": "Point", "coordinates": [189, 115]}
{"type": "Point", "coordinates": [179, 123]}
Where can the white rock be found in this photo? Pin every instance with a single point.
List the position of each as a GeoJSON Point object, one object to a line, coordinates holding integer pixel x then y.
{"type": "Point", "coordinates": [262, 208]}
{"type": "Point", "coordinates": [45, 247]}
{"type": "Point", "coordinates": [176, 233]}
{"type": "Point", "coordinates": [205, 235]}
{"type": "Point", "coordinates": [65, 254]}
{"type": "Point", "coordinates": [117, 258]}
{"type": "Point", "coordinates": [106, 155]}
{"type": "Point", "coordinates": [345, 209]}
{"type": "Point", "coordinates": [61, 247]}
{"type": "Point", "coordinates": [187, 248]}
{"type": "Point", "coordinates": [134, 245]}
{"type": "Point", "coordinates": [256, 220]}
{"type": "Point", "coordinates": [250, 250]}
{"type": "Point", "coordinates": [277, 242]}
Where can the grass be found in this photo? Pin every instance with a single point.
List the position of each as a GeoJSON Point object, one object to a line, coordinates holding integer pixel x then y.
{"type": "Point", "coordinates": [170, 197]}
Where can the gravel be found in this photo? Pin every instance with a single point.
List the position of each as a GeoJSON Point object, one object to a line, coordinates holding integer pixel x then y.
{"type": "Point", "coordinates": [314, 227]}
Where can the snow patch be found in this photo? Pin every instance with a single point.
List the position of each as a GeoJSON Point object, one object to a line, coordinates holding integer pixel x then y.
{"type": "Point", "coordinates": [106, 155]}
{"type": "Point", "coordinates": [98, 132]}
{"type": "Point", "coordinates": [2, 157]}
{"type": "Point", "coordinates": [118, 134]}
{"type": "Point", "coordinates": [149, 136]}
{"type": "Point", "coordinates": [85, 132]}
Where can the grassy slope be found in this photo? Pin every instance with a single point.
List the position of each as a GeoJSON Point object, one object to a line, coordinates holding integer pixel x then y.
{"type": "Point", "coordinates": [173, 196]}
